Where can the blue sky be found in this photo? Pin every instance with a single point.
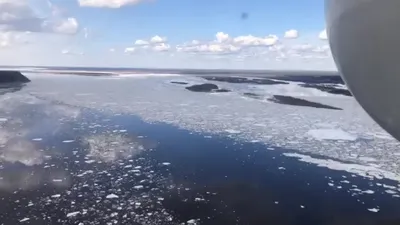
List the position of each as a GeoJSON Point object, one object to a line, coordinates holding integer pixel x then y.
{"type": "Point", "coordinates": [78, 32]}
{"type": "Point", "coordinates": [182, 20]}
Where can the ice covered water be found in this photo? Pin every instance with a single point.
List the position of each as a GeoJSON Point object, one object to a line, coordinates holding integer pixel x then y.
{"type": "Point", "coordinates": [77, 146]}
{"type": "Point", "coordinates": [347, 134]}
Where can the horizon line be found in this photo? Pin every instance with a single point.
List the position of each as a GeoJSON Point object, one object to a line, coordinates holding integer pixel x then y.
{"type": "Point", "coordinates": [155, 69]}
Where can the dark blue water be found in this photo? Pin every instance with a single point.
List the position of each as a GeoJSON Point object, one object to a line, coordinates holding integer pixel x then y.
{"type": "Point", "coordinates": [183, 177]}
{"type": "Point", "coordinates": [249, 183]}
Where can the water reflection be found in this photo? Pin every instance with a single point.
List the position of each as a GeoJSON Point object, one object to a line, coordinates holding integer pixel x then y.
{"type": "Point", "coordinates": [110, 147]}
{"type": "Point", "coordinates": [10, 88]}
{"type": "Point", "coordinates": [22, 151]}
{"type": "Point", "coordinates": [18, 178]}
{"type": "Point", "coordinates": [53, 154]}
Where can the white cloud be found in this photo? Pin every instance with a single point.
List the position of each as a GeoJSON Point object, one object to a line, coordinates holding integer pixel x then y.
{"type": "Point", "coordinates": [4, 43]}
{"type": "Point", "coordinates": [85, 32]}
{"type": "Point", "coordinates": [108, 3]}
{"type": "Point", "coordinates": [253, 51]}
{"type": "Point", "coordinates": [208, 48]}
{"type": "Point", "coordinates": [158, 39]}
{"type": "Point", "coordinates": [129, 50]}
{"type": "Point", "coordinates": [302, 47]}
{"type": "Point", "coordinates": [157, 43]}
{"type": "Point", "coordinates": [323, 35]}
{"type": "Point", "coordinates": [141, 42]}
{"type": "Point", "coordinates": [5, 39]}
{"type": "Point", "coordinates": [220, 51]}
{"type": "Point", "coordinates": [222, 37]}
{"type": "Point", "coordinates": [251, 40]}
{"type": "Point", "coordinates": [9, 39]}
{"type": "Point", "coordinates": [260, 46]}
{"type": "Point", "coordinates": [161, 47]}
{"type": "Point", "coordinates": [67, 26]}
{"type": "Point", "coordinates": [277, 48]}
{"type": "Point", "coordinates": [291, 34]}
{"type": "Point", "coordinates": [19, 15]}
{"type": "Point", "coordinates": [70, 52]}
{"type": "Point", "coordinates": [322, 49]}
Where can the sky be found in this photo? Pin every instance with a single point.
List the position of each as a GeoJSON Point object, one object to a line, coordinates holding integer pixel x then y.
{"type": "Point", "coordinates": [210, 34]}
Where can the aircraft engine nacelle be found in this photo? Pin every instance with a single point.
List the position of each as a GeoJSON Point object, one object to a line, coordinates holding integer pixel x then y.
{"type": "Point", "coordinates": [364, 36]}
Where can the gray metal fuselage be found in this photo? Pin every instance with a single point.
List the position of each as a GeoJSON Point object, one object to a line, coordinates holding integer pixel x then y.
{"type": "Point", "coordinates": [364, 36]}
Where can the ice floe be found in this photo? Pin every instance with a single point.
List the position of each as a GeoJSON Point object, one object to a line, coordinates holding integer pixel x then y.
{"type": "Point", "coordinates": [369, 192]}
{"type": "Point", "coordinates": [138, 187]}
{"type": "Point", "coordinates": [72, 214]}
{"type": "Point", "coordinates": [331, 134]}
{"type": "Point", "coordinates": [373, 210]}
{"type": "Point", "coordinates": [24, 220]}
{"type": "Point", "coordinates": [231, 131]}
{"type": "Point", "coordinates": [358, 169]}
{"type": "Point", "coordinates": [111, 196]}
{"type": "Point", "coordinates": [192, 221]}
